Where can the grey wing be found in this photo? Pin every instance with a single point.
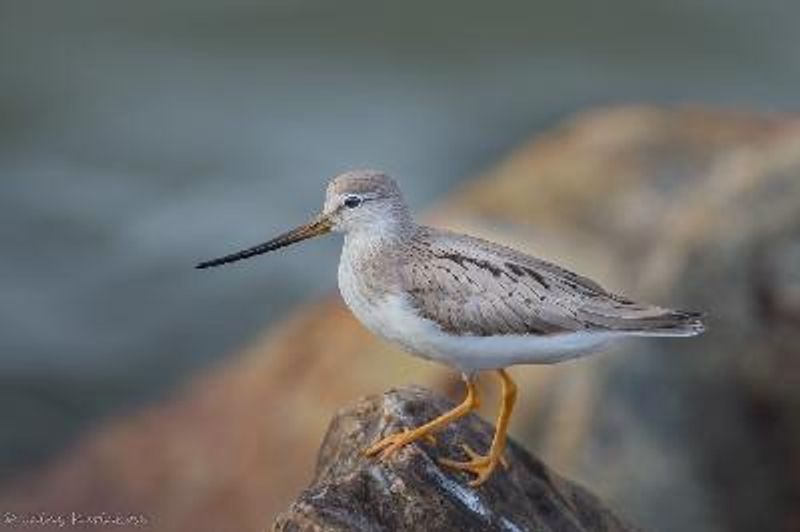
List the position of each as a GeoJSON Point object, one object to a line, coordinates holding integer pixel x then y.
{"type": "Point", "coordinates": [470, 286]}
{"type": "Point", "coordinates": [473, 287]}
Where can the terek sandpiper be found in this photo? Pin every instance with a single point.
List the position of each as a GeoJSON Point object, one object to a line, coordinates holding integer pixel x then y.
{"type": "Point", "coordinates": [465, 302]}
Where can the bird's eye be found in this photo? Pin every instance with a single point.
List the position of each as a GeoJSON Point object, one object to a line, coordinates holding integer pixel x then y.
{"type": "Point", "coordinates": [351, 202]}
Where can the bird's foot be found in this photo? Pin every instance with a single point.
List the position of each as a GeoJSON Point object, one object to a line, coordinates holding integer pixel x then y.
{"type": "Point", "coordinates": [393, 442]}
{"type": "Point", "coordinates": [479, 465]}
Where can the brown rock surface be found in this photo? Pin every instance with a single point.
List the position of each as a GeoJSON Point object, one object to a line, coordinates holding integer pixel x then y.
{"type": "Point", "coordinates": [685, 207]}
{"type": "Point", "coordinates": [410, 491]}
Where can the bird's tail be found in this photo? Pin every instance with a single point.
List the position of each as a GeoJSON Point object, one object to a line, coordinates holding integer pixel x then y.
{"type": "Point", "coordinates": [672, 323]}
{"type": "Point", "coordinates": [644, 320]}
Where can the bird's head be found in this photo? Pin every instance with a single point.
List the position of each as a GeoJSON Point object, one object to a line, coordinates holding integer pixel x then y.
{"type": "Point", "coordinates": [364, 202]}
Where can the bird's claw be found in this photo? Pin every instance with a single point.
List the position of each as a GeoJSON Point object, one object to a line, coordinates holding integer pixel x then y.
{"type": "Point", "coordinates": [392, 443]}
{"type": "Point", "coordinates": [479, 465]}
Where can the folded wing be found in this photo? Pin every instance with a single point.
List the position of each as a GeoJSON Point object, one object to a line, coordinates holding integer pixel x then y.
{"type": "Point", "coordinates": [472, 287]}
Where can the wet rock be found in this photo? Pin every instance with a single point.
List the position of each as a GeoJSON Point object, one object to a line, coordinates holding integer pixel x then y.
{"type": "Point", "coordinates": [410, 491]}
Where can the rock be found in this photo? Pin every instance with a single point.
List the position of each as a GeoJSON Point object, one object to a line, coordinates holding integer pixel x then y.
{"type": "Point", "coordinates": [410, 491]}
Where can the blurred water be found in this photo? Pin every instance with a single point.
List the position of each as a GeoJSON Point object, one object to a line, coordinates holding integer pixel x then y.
{"type": "Point", "coordinates": [138, 138]}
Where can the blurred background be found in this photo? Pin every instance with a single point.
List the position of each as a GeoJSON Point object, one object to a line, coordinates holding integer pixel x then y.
{"type": "Point", "coordinates": [137, 138]}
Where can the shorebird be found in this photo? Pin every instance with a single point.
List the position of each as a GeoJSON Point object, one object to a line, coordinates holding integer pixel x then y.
{"type": "Point", "coordinates": [466, 302]}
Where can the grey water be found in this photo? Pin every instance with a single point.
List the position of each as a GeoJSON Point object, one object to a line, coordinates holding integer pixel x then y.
{"type": "Point", "coordinates": [138, 138]}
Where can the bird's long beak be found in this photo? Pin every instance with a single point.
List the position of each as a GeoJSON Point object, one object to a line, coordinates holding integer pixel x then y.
{"type": "Point", "coordinates": [318, 226]}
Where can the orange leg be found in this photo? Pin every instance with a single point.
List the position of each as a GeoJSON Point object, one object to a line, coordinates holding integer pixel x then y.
{"type": "Point", "coordinates": [482, 466]}
{"type": "Point", "coordinates": [388, 445]}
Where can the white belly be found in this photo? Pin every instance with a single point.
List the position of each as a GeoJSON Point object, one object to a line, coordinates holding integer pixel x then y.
{"type": "Point", "coordinates": [392, 318]}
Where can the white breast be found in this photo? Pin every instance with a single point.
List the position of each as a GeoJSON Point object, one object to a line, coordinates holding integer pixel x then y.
{"type": "Point", "coordinates": [375, 310]}
{"type": "Point", "coordinates": [365, 306]}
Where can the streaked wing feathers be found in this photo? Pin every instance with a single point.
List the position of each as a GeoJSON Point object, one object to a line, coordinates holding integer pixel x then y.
{"type": "Point", "coordinates": [471, 286]}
